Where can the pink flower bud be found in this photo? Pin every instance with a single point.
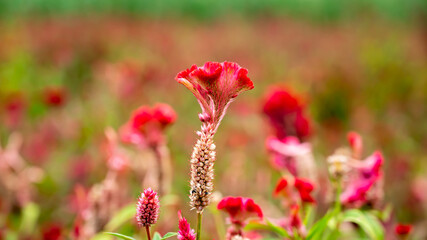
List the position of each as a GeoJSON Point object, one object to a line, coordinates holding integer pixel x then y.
{"type": "Point", "coordinates": [185, 232]}
{"type": "Point", "coordinates": [147, 209]}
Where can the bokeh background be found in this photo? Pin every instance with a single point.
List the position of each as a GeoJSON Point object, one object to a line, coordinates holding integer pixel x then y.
{"type": "Point", "coordinates": [359, 65]}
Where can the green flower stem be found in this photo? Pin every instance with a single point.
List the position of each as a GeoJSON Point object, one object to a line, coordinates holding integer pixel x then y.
{"type": "Point", "coordinates": [199, 225]}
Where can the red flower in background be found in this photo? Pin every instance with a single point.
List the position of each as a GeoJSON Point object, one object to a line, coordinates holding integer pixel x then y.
{"type": "Point", "coordinates": [356, 144]}
{"type": "Point", "coordinates": [215, 85]}
{"type": "Point", "coordinates": [14, 107]}
{"type": "Point", "coordinates": [303, 186]}
{"type": "Point", "coordinates": [240, 209]}
{"type": "Point", "coordinates": [54, 96]}
{"type": "Point", "coordinates": [52, 232]}
{"type": "Point", "coordinates": [286, 113]}
{"type": "Point", "coordinates": [185, 232]}
{"type": "Point", "coordinates": [403, 229]}
{"type": "Point", "coordinates": [146, 125]}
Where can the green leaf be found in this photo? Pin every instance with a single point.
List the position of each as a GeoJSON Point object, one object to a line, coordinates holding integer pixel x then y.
{"type": "Point", "coordinates": [169, 234]}
{"type": "Point", "coordinates": [120, 236]}
{"type": "Point", "coordinates": [367, 222]}
{"type": "Point", "coordinates": [30, 213]}
{"type": "Point", "coordinates": [316, 232]}
{"type": "Point", "coordinates": [269, 226]}
{"type": "Point", "coordinates": [121, 217]}
{"type": "Point", "coordinates": [157, 236]}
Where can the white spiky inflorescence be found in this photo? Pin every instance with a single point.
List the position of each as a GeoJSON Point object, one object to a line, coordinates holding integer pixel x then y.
{"type": "Point", "coordinates": [202, 169]}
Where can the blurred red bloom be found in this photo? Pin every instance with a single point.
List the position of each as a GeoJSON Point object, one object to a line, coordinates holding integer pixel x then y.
{"type": "Point", "coordinates": [146, 125]}
{"type": "Point", "coordinates": [240, 209]}
{"type": "Point", "coordinates": [215, 85]}
{"type": "Point", "coordinates": [356, 144]}
{"type": "Point", "coordinates": [286, 113]}
{"type": "Point", "coordinates": [304, 187]}
{"type": "Point", "coordinates": [14, 109]}
{"type": "Point", "coordinates": [52, 232]}
{"type": "Point", "coordinates": [54, 96]}
{"type": "Point", "coordinates": [403, 229]}
{"type": "Point", "coordinates": [185, 232]}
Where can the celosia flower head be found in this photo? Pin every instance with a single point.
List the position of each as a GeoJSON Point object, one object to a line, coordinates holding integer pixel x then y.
{"type": "Point", "coordinates": [185, 232]}
{"type": "Point", "coordinates": [147, 209]}
{"type": "Point", "coordinates": [304, 187]}
{"type": "Point", "coordinates": [54, 96]}
{"type": "Point", "coordinates": [146, 124]}
{"type": "Point", "coordinates": [286, 113]}
{"type": "Point", "coordinates": [240, 209]}
{"type": "Point", "coordinates": [215, 85]}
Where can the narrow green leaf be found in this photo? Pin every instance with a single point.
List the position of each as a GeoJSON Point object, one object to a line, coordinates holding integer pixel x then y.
{"type": "Point", "coordinates": [120, 236]}
{"type": "Point", "coordinates": [319, 227]}
{"type": "Point", "coordinates": [121, 217]}
{"type": "Point", "coordinates": [269, 226]}
{"type": "Point", "coordinates": [169, 234]}
{"type": "Point", "coordinates": [367, 222]}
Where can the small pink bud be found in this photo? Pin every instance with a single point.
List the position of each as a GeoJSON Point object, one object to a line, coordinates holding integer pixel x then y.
{"type": "Point", "coordinates": [147, 209]}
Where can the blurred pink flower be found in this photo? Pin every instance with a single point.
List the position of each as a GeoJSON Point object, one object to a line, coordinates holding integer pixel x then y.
{"type": "Point", "coordinates": [240, 209]}
{"type": "Point", "coordinates": [185, 232]}
{"type": "Point", "coordinates": [356, 144]}
{"type": "Point", "coordinates": [215, 85]}
{"type": "Point", "coordinates": [290, 154]}
{"type": "Point", "coordinates": [146, 125]}
{"type": "Point", "coordinates": [14, 107]}
{"type": "Point", "coordinates": [368, 173]}
{"type": "Point", "coordinates": [286, 113]}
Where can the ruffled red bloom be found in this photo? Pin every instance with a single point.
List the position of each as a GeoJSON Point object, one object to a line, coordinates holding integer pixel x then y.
{"type": "Point", "coordinates": [240, 209]}
{"type": "Point", "coordinates": [215, 85]}
{"type": "Point", "coordinates": [304, 187]}
{"type": "Point", "coordinates": [146, 124]}
{"type": "Point", "coordinates": [280, 186]}
{"type": "Point", "coordinates": [403, 229]}
{"type": "Point", "coordinates": [185, 232]}
{"type": "Point", "coordinates": [54, 96]}
{"type": "Point", "coordinates": [286, 113]}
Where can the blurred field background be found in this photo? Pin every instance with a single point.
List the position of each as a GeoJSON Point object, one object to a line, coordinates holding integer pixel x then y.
{"type": "Point", "coordinates": [360, 65]}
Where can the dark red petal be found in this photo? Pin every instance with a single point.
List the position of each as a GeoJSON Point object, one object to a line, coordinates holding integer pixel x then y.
{"type": "Point", "coordinates": [164, 114]}
{"type": "Point", "coordinates": [186, 72]}
{"type": "Point", "coordinates": [232, 205]}
{"type": "Point", "coordinates": [252, 207]}
{"type": "Point", "coordinates": [281, 185]}
{"type": "Point", "coordinates": [403, 229]}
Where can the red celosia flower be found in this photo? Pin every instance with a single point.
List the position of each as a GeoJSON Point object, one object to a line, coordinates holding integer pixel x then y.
{"type": "Point", "coordinates": [185, 232]}
{"type": "Point", "coordinates": [403, 229]}
{"type": "Point", "coordinates": [146, 124]}
{"type": "Point", "coordinates": [52, 232]}
{"type": "Point", "coordinates": [215, 85]}
{"type": "Point", "coordinates": [369, 172]}
{"type": "Point", "coordinates": [147, 210]}
{"type": "Point", "coordinates": [54, 96]}
{"type": "Point", "coordinates": [14, 108]}
{"type": "Point", "coordinates": [280, 186]}
{"type": "Point", "coordinates": [356, 144]}
{"type": "Point", "coordinates": [240, 209]}
{"type": "Point", "coordinates": [304, 188]}
{"type": "Point", "coordinates": [285, 112]}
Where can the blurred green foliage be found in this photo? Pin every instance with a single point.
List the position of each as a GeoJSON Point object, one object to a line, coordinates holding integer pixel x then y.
{"type": "Point", "coordinates": [211, 9]}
